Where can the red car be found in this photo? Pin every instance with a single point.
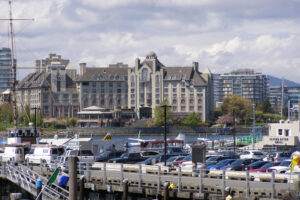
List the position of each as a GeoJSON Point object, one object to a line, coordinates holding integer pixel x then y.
{"type": "Point", "coordinates": [187, 158]}
{"type": "Point", "coordinates": [265, 167]}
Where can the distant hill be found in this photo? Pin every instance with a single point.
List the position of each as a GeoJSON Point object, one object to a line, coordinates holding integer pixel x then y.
{"type": "Point", "coordinates": [274, 81]}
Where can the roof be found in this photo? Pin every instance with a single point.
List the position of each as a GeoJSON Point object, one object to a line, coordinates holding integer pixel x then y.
{"type": "Point", "coordinates": [104, 74]}
{"type": "Point", "coordinates": [34, 80]}
{"type": "Point", "coordinates": [184, 73]}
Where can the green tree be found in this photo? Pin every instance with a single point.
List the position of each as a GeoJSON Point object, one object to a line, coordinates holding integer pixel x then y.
{"type": "Point", "coordinates": [72, 121]}
{"type": "Point", "coordinates": [237, 104]}
{"type": "Point", "coordinates": [266, 106]}
{"type": "Point", "coordinates": [159, 114]}
{"type": "Point", "coordinates": [193, 120]}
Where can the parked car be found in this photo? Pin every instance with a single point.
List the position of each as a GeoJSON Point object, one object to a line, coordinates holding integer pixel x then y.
{"type": "Point", "coordinates": [63, 163]}
{"type": "Point", "coordinates": [148, 154]}
{"type": "Point", "coordinates": [257, 165]}
{"type": "Point", "coordinates": [277, 156]}
{"type": "Point", "coordinates": [230, 154]}
{"type": "Point", "coordinates": [239, 164]}
{"type": "Point", "coordinates": [46, 153]}
{"type": "Point", "coordinates": [172, 159]}
{"type": "Point", "coordinates": [83, 155]}
{"type": "Point", "coordinates": [105, 156]}
{"type": "Point", "coordinates": [282, 167]}
{"type": "Point", "coordinates": [266, 166]}
{"type": "Point", "coordinates": [254, 154]}
{"type": "Point", "coordinates": [220, 164]}
{"type": "Point", "coordinates": [185, 159]}
{"type": "Point", "coordinates": [215, 159]}
{"type": "Point", "coordinates": [130, 158]}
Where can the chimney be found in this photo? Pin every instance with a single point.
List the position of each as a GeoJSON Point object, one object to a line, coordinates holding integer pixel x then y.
{"type": "Point", "coordinates": [196, 66]}
{"type": "Point", "coordinates": [137, 63]}
{"type": "Point", "coordinates": [82, 67]}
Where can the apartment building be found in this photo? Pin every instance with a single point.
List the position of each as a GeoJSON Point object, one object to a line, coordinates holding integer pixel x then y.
{"type": "Point", "coordinates": [243, 82]}
{"type": "Point", "coordinates": [53, 91]}
{"type": "Point", "coordinates": [5, 69]}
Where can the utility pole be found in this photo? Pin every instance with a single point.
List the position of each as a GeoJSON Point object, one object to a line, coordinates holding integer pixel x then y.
{"type": "Point", "coordinates": [234, 136]}
{"type": "Point", "coordinates": [282, 90]}
{"type": "Point", "coordinates": [253, 129]}
{"type": "Point", "coordinates": [165, 133]}
{"type": "Point", "coordinates": [13, 66]}
{"type": "Point", "coordinates": [35, 123]}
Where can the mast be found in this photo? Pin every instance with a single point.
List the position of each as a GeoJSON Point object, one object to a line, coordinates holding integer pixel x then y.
{"type": "Point", "coordinates": [13, 68]}
{"type": "Point", "coordinates": [282, 89]}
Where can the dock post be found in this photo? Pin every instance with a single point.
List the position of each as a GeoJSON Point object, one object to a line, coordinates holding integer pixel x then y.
{"type": "Point", "coordinates": [166, 191]}
{"type": "Point", "coordinates": [158, 180]}
{"type": "Point", "coordinates": [104, 175]}
{"type": "Point", "coordinates": [273, 185]}
{"type": "Point", "coordinates": [72, 178]}
{"type": "Point", "coordinates": [223, 183]}
{"type": "Point", "coordinates": [200, 181]}
{"type": "Point", "coordinates": [122, 175]}
{"type": "Point", "coordinates": [247, 184]}
{"type": "Point", "coordinates": [81, 187]}
{"type": "Point", "coordinates": [140, 175]}
{"type": "Point", "coordinates": [125, 189]}
{"type": "Point", "coordinates": [179, 179]}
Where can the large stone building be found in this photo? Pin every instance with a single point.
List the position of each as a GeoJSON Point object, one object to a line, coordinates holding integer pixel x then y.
{"type": "Point", "coordinates": [242, 82]}
{"type": "Point", "coordinates": [145, 86]}
{"type": "Point", "coordinates": [53, 91]}
{"type": "Point", "coordinates": [53, 60]}
{"type": "Point", "coordinates": [5, 69]}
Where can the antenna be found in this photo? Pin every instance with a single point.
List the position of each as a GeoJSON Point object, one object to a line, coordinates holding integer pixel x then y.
{"type": "Point", "coordinates": [13, 67]}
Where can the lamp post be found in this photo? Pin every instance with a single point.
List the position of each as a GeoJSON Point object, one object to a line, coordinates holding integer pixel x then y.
{"type": "Point", "coordinates": [35, 123]}
{"type": "Point", "coordinates": [165, 133]}
{"type": "Point", "coordinates": [253, 129]}
{"type": "Point", "coordinates": [234, 139]}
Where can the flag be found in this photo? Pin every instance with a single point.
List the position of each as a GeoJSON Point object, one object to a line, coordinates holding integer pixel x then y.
{"type": "Point", "coordinates": [295, 162]}
{"type": "Point", "coordinates": [107, 137]}
{"type": "Point", "coordinates": [53, 176]}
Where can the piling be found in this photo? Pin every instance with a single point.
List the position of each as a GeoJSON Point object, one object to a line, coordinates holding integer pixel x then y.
{"type": "Point", "coordinates": [125, 189]}
{"type": "Point", "coordinates": [72, 177]}
{"type": "Point", "coordinates": [81, 188]}
{"type": "Point", "coordinates": [166, 190]}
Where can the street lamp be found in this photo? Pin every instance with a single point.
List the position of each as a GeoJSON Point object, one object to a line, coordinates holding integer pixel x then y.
{"type": "Point", "coordinates": [234, 136]}
{"type": "Point", "coordinates": [165, 132]}
{"type": "Point", "coordinates": [253, 129]}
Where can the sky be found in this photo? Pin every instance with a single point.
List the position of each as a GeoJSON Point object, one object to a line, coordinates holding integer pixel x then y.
{"type": "Point", "coordinates": [223, 35]}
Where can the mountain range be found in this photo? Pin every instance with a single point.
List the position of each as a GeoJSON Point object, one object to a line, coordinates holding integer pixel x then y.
{"type": "Point", "coordinates": [274, 81]}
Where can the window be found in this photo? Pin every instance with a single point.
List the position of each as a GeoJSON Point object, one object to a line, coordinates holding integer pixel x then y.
{"type": "Point", "coordinates": [117, 77]}
{"type": "Point", "coordinates": [182, 89]}
{"type": "Point", "coordinates": [191, 101]}
{"type": "Point", "coordinates": [286, 132]}
{"type": "Point", "coordinates": [144, 74]}
{"type": "Point", "coordinates": [182, 108]}
{"type": "Point", "coordinates": [174, 89]}
{"type": "Point", "coordinates": [199, 101]}
{"type": "Point", "coordinates": [110, 84]}
{"type": "Point", "coordinates": [279, 131]}
{"type": "Point", "coordinates": [183, 76]}
{"type": "Point", "coordinates": [174, 101]}
{"type": "Point", "coordinates": [111, 77]}
{"type": "Point", "coordinates": [166, 90]}
{"type": "Point", "coordinates": [191, 108]}
{"type": "Point", "coordinates": [174, 108]}
{"type": "Point", "coordinates": [183, 101]}
{"type": "Point", "coordinates": [157, 90]}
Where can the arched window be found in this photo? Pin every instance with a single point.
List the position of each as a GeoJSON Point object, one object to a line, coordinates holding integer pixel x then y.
{"type": "Point", "coordinates": [191, 101]}
{"type": "Point", "coordinates": [174, 101]}
{"type": "Point", "coordinates": [111, 77]}
{"type": "Point", "coordinates": [144, 74]}
{"type": "Point", "coordinates": [132, 78]}
{"type": "Point", "coordinates": [157, 79]}
{"type": "Point", "coordinates": [117, 77]}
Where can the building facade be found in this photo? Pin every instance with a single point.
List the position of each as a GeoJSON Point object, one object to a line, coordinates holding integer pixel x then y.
{"type": "Point", "coordinates": [5, 69]}
{"type": "Point", "coordinates": [242, 82]}
{"type": "Point", "coordinates": [53, 60]}
{"type": "Point", "coordinates": [54, 92]}
{"type": "Point", "coordinates": [145, 86]}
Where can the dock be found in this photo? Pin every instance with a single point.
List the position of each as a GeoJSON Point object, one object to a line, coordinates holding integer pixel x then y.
{"type": "Point", "coordinates": [147, 181]}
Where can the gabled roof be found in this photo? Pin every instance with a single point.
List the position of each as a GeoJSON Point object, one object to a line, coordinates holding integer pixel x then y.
{"type": "Point", "coordinates": [104, 74]}
{"type": "Point", "coordinates": [35, 80]}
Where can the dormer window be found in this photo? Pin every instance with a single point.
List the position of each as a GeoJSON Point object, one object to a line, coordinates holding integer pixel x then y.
{"type": "Point", "coordinates": [111, 77]}
{"type": "Point", "coordinates": [183, 76]}
{"type": "Point", "coordinates": [173, 77]}
{"type": "Point", "coordinates": [100, 77]}
{"type": "Point", "coordinates": [117, 77]}
{"type": "Point", "coordinates": [168, 77]}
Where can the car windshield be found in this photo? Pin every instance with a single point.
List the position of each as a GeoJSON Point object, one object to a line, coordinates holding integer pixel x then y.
{"type": "Point", "coordinates": [267, 165]}
{"type": "Point", "coordinates": [215, 158]}
{"type": "Point", "coordinates": [189, 157]}
{"type": "Point", "coordinates": [104, 154]}
{"type": "Point", "coordinates": [124, 155]}
{"type": "Point", "coordinates": [285, 163]}
{"type": "Point", "coordinates": [258, 153]}
{"type": "Point", "coordinates": [224, 162]}
{"type": "Point", "coordinates": [237, 162]}
{"type": "Point", "coordinates": [171, 159]}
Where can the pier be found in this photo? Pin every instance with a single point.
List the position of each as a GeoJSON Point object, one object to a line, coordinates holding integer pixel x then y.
{"type": "Point", "coordinates": [101, 180]}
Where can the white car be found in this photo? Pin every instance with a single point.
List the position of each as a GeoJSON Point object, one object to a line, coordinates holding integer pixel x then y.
{"type": "Point", "coordinates": [13, 153]}
{"type": "Point", "coordinates": [283, 167]}
{"type": "Point", "coordinates": [47, 153]}
{"type": "Point", "coordinates": [252, 154]}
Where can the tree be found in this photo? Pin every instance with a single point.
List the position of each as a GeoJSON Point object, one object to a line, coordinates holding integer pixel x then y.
{"type": "Point", "coordinates": [193, 120]}
{"type": "Point", "coordinates": [266, 106]}
{"type": "Point", "coordinates": [72, 121]}
{"type": "Point", "coordinates": [237, 104]}
{"type": "Point", "coordinates": [159, 114]}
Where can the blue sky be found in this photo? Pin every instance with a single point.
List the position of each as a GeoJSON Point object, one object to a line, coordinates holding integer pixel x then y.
{"type": "Point", "coordinates": [222, 35]}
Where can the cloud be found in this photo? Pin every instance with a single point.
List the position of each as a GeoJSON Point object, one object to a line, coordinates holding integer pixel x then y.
{"type": "Point", "coordinates": [222, 35]}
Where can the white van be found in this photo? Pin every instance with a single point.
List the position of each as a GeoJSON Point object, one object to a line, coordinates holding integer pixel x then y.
{"type": "Point", "coordinates": [13, 153]}
{"type": "Point", "coordinates": [48, 154]}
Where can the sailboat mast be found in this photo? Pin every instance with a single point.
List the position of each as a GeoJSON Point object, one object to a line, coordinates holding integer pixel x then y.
{"type": "Point", "coordinates": [13, 67]}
